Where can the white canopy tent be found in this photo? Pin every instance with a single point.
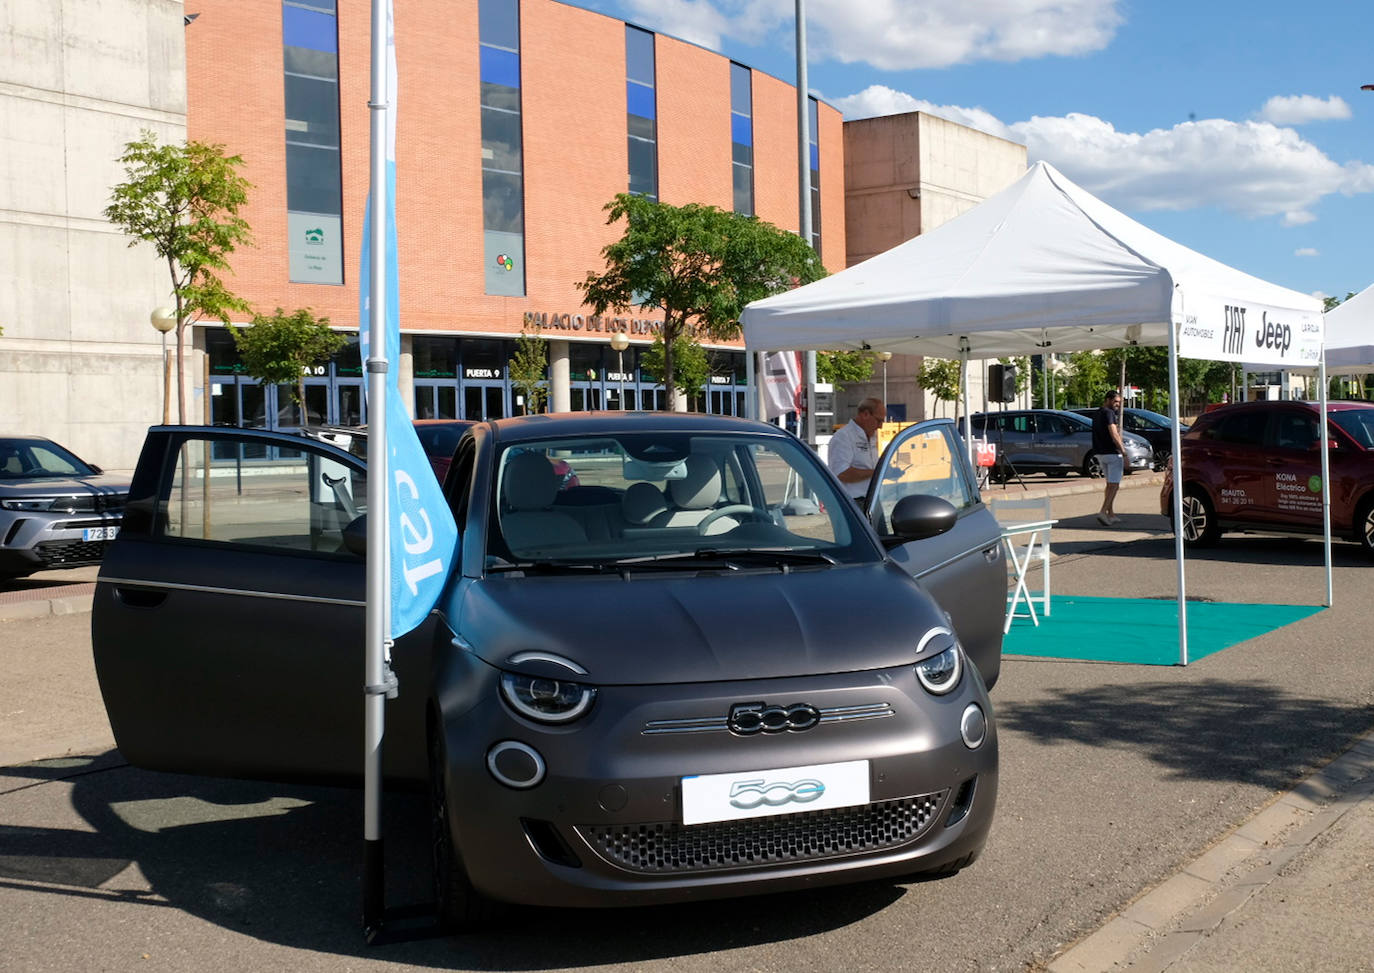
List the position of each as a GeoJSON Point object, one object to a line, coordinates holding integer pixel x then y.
{"type": "Point", "coordinates": [1044, 266]}
{"type": "Point", "coordinates": [1350, 334]}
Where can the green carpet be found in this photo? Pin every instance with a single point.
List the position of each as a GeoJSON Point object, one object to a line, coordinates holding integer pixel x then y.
{"type": "Point", "coordinates": [1142, 630]}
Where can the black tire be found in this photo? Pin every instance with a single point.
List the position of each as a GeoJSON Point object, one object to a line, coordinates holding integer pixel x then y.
{"type": "Point", "coordinates": [1199, 519]}
{"type": "Point", "coordinates": [1364, 526]}
{"type": "Point", "coordinates": [458, 906]}
{"type": "Point", "coordinates": [1091, 467]}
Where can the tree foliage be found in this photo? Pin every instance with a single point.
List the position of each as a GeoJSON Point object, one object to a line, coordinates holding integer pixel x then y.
{"type": "Point", "coordinates": [691, 366]}
{"type": "Point", "coordinates": [1332, 302]}
{"type": "Point", "coordinates": [528, 369]}
{"type": "Point", "coordinates": [185, 201]}
{"type": "Point", "coordinates": [698, 265]}
{"type": "Point", "coordinates": [941, 378]}
{"type": "Point", "coordinates": [841, 368]}
{"type": "Point", "coordinates": [277, 349]}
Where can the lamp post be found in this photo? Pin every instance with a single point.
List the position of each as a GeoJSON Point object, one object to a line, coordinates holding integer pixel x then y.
{"type": "Point", "coordinates": [884, 357]}
{"type": "Point", "coordinates": [620, 342]}
{"type": "Point", "coordinates": [164, 319]}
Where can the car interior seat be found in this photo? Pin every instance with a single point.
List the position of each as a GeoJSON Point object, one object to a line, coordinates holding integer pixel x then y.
{"type": "Point", "coordinates": [641, 503]}
{"type": "Point", "coordinates": [529, 486]}
{"type": "Point", "coordinates": [693, 496]}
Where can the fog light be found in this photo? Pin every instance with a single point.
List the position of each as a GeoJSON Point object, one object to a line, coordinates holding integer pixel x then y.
{"type": "Point", "coordinates": [973, 726]}
{"type": "Point", "coordinates": [515, 764]}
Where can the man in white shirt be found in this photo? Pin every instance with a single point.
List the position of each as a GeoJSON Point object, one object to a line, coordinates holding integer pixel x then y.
{"type": "Point", "coordinates": [854, 448]}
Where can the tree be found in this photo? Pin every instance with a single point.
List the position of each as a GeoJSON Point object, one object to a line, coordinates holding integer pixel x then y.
{"type": "Point", "coordinates": [691, 365]}
{"type": "Point", "coordinates": [697, 264]}
{"type": "Point", "coordinates": [1332, 302]}
{"type": "Point", "coordinates": [842, 367]}
{"type": "Point", "coordinates": [529, 369]}
{"type": "Point", "coordinates": [185, 201]}
{"type": "Point", "coordinates": [941, 378]}
{"type": "Point", "coordinates": [278, 349]}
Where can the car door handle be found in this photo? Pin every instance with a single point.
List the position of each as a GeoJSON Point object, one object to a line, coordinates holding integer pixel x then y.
{"type": "Point", "coordinates": [141, 597]}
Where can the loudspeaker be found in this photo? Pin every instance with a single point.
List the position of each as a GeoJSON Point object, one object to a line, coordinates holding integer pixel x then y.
{"type": "Point", "coordinates": [1002, 382]}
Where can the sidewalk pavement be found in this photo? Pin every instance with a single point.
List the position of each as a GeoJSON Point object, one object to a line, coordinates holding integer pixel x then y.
{"type": "Point", "coordinates": [1289, 889]}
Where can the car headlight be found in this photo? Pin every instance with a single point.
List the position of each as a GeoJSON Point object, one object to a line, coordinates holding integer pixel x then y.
{"type": "Point", "coordinates": [940, 673]}
{"type": "Point", "coordinates": [545, 699]}
{"type": "Point", "coordinates": [44, 503]}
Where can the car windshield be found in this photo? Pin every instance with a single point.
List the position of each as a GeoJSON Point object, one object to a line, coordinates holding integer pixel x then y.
{"type": "Point", "coordinates": [32, 459]}
{"type": "Point", "coordinates": [1358, 423]}
{"type": "Point", "coordinates": [633, 500]}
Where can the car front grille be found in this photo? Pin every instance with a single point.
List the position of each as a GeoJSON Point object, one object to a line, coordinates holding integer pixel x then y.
{"type": "Point", "coordinates": [667, 847]}
{"type": "Point", "coordinates": [69, 553]}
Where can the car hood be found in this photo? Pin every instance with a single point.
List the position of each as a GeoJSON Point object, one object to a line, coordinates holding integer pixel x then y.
{"type": "Point", "coordinates": [652, 628]}
{"type": "Point", "coordinates": [63, 486]}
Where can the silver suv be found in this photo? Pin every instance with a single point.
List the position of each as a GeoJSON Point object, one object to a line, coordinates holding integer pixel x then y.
{"type": "Point", "coordinates": [56, 511]}
{"type": "Point", "coordinates": [1050, 441]}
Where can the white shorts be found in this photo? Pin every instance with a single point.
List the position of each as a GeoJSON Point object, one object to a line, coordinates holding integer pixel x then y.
{"type": "Point", "coordinates": [1111, 466]}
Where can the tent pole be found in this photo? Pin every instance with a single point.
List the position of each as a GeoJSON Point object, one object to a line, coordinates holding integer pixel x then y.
{"type": "Point", "coordinates": [751, 395]}
{"type": "Point", "coordinates": [1178, 487]}
{"type": "Point", "coordinates": [1326, 470]}
{"type": "Point", "coordinates": [963, 386]}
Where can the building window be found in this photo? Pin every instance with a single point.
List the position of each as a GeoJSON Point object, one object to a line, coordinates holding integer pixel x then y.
{"type": "Point", "coordinates": [314, 189]}
{"type": "Point", "coordinates": [815, 154]}
{"type": "Point", "coordinates": [742, 137]}
{"type": "Point", "coordinates": [503, 191]}
{"type": "Point", "coordinates": [641, 111]}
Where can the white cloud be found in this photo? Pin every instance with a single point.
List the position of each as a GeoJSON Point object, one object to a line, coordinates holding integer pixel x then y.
{"type": "Point", "coordinates": [1253, 168]}
{"type": "Point", "coordinates": [1297, 109]}
{"type": "Point", "coordinates": [898, 35]}
{"type": "Point", "coordinates": [1306, 252]}
{"type": "Point", "coordinates": [879, 99]}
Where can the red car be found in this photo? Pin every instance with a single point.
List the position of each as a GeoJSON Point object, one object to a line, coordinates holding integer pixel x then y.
{"type": "Point", "coordinates": [1256, 466]}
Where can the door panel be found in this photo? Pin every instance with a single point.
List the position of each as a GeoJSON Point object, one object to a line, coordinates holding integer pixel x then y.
{"type": "Point", "coordinates": [228, 618]}
{"type": "Point", "coordinates": [963, 568]}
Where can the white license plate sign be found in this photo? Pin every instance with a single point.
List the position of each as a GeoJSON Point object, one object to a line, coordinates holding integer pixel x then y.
{"type": "Point", "coordinates": [786, 790]}
{"type": "Point", "coordinates": [99, 533]}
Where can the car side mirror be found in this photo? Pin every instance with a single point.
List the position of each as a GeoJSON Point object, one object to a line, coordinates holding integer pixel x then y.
{"type": "Point", "coordinates": [355, 536]}
{"type": "Point", "coordinates": [919, 516]}
{"type": "Point", "coordinates": [1316, 445]}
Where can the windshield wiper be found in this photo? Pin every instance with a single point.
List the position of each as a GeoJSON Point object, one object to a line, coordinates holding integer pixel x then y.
{"type": "Point", "coordinates": [782, 556]}
{"type": "Point", "coordinates": [502, 566]}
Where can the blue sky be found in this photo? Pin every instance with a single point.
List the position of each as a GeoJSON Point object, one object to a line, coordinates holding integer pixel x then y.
{"type": "Point", "coordinates": [1236, 128]}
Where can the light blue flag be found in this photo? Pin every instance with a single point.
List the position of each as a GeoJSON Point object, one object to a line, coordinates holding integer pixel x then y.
{"type": "Point", "coordinates": [423, 536]}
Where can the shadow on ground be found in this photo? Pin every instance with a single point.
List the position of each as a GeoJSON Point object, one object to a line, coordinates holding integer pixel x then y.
{"type": "Point", "coordinates": [282, 864]}
{"type": "Point", "coordinates": [1208, 730]}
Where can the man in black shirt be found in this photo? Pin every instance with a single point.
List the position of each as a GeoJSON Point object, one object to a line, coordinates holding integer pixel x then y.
{"type": "Point", "coordinates": [1110, 452]}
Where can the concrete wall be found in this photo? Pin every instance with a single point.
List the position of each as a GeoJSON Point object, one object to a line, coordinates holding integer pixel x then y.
{"type": "Point", "coordinates": [905, 175]}
{"type": "Point", "coordinates": [79, 361]}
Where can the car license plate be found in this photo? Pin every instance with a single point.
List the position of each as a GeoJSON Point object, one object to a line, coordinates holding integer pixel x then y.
{"type": "Point", "coordinates": [99, 533]}
{"type": "Point", "coordinates": [787, 790]}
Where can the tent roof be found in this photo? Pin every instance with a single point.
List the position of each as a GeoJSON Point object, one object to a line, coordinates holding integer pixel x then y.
{"type": "Point", "coordinates": [1350, 333]}
{"type": "Point", "coordinates": [1043, 265]}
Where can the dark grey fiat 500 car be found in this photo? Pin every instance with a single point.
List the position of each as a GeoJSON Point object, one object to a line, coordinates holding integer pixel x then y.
{"type": "Point", "coordinates": [699, 672]}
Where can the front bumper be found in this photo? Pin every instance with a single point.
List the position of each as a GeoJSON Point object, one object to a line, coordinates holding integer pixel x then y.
{"type": "Point", "coordinates": [42, 541]}
{"type": "Point", "coordinates": [604, 827]}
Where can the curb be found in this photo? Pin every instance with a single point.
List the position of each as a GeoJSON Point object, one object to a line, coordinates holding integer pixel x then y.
{"type": "Point", "coordinates": [73, 600]}
{"type": "Point", "coordinates": [1157, 928]}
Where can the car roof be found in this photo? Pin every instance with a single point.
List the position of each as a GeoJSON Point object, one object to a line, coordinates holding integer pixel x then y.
{"type": "Point", "coordinates": [527, 428]}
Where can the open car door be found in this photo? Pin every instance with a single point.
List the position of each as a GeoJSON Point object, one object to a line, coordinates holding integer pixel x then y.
{"type": "Point", "coordinates": [962, 568]}
{"type": "Point", "coordinates": [227, 624]}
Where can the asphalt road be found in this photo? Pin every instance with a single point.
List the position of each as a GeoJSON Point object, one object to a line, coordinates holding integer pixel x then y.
{"type": "Point", "coordinates": [1113, 776]}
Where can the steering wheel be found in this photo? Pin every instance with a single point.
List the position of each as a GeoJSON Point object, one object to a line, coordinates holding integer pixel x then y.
{"type": "Point", "coordinates": [728, 510]}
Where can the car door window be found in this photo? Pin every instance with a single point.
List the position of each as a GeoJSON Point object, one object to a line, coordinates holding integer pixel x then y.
{"type": "Point", "coordinates": [1243, 429]}
{"type": "Point", "coordinates": [300, 501]}
{"type": "Point", "coordinates": [1293, 430]}
{"type": "Point", "coordinates": [925, 463]}
{"type": "Point", "coordinates": [1050, 426]}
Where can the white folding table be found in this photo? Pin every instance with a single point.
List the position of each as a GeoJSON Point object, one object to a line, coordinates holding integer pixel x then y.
{"type": "Point", "coordinates": [1024, 542]}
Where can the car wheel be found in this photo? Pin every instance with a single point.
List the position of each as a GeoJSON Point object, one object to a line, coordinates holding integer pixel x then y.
{"type": "Point", "coordinates": [1364, 526]}
{"type": "Point", "coordinates": [1091, 467]}
{"type": "Point", "coordinates": [458, 905]}
{"type": "Point", "coordinates": [1199, 519]}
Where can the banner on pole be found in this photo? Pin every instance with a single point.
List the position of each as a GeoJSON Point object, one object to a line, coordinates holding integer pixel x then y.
{"type": "Point", "coordinates": [782, 385]}
{"type": "Point", "coordinates": [422, 535]}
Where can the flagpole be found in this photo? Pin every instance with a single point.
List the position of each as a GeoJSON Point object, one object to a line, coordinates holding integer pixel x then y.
{"type": "Point", "coordinates": [378, 560]}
